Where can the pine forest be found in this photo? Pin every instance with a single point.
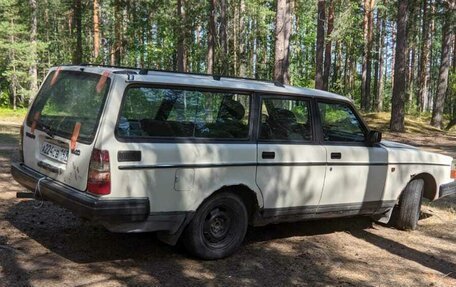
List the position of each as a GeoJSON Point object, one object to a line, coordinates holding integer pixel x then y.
{"type": "Point", "coordinates": [394, 56]}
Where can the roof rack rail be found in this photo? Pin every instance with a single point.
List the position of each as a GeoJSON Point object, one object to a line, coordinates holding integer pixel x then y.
{"type": "Point", "coordinates": [278, 84]}
{"type": "Point", "coordinates": [144, 71]}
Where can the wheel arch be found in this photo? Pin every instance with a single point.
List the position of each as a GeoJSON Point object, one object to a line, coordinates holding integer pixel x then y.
{"type": "Point", "coordinates": [248, 196]}
{"type": "Point", "coordinates": [430, 185]}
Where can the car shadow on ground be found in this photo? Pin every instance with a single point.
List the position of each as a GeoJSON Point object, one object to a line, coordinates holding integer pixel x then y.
{"type": "Point", "coordinates": [306, 228]}
{"type": "Point", "coordinates": [78, 240]}
{"type": "Point", "coordinates": [87, 244]}
{"type": "Point", "coordinates": [84, 242]}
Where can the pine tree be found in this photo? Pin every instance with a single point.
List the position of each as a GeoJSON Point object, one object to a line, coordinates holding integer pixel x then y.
{"type": "Point", "coordinates": [14, 44]}
{"type": "Point", "coordinates": [399, 88]}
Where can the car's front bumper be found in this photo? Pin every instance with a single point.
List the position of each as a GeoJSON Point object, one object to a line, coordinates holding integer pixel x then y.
{"type": "Point", "coordinates": [447, 189]}
{"type": "Point", "coordinates": [86, 205]}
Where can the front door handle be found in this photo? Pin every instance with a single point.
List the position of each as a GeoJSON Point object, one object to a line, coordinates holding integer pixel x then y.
{"type": "Point", "coordinates": [336, 155]}
{"type": "Point", "coordinates": [268, 155]}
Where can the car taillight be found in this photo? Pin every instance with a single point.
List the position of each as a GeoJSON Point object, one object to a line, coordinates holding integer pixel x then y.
{"type": "Point", "coordinates": [21, 145]}
{"type": "Point", "coordinates": [99, 180]}
{"type": "Point", "coordinates": [453, 169]}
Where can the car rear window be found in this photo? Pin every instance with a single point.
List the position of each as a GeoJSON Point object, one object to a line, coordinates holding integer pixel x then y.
{"type": "Point", "coordinates": [68, 97]}
{"type": "Point", "coordinates": [150, 112]}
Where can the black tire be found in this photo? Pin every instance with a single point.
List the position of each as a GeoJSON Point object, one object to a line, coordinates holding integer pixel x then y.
{"type": "Point", "coordinates": [218, 227]}
{"type": "Point", "coordinates": [410, 205]}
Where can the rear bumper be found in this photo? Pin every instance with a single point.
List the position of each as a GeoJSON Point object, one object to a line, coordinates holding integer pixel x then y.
{"type": "Point", "coordinates": [82, 203]}
{"type": "Point", "coordinates": [447, 189]}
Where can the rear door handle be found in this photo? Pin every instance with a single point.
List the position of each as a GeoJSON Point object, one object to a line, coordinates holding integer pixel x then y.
{"type": "Point", "coordinates": [268, 155]}
{"type": "Point", "coordinates": [336, 155]}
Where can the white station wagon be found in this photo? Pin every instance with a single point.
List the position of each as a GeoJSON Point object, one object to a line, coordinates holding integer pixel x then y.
{"type": "Point", "coordinates": [199, 158]}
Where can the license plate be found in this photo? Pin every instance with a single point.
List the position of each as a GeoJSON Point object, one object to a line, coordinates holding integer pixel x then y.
{"type": "Point", "coordinates": [55, 152]}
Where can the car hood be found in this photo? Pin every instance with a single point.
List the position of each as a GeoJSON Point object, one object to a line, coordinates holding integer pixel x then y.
{"type": "Point", "coordinates": [403, 153]}
{"type": "Point", "coordinates": [391, 144]}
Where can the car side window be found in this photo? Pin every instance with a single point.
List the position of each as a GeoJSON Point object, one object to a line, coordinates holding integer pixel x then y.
{"type": "Point", "coordinates": [160, 113]}
{"type": "Point", "coordinates": [339, 123]}
{"type": "Point", "coordinates": [285, 119]}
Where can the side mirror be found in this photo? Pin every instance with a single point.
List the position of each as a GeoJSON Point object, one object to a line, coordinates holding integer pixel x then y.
{"type": "Point", "coordinates": [374, 137]}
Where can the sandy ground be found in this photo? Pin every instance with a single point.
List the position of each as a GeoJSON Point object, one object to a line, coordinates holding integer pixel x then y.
{"type": "Point", "coordinates": [48, 246]}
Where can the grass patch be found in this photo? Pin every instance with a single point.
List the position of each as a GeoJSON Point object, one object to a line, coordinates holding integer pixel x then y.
{"type": "Point", "coordinates": [12, 116]}
{"type": "Point", "coordinates": [9, 134]}
{"type": "Point", "coordinates": [413, 124]}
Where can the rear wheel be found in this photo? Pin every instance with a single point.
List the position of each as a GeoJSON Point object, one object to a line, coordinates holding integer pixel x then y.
{"type": "Point", "coordinates": [218, 227]}
{"type": "Point", "coordinates": [410, 205]}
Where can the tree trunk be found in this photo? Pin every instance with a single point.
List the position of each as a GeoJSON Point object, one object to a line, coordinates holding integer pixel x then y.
{"type": "Point", "coordinates": [242, 54]}
{"type": "Point", "coordinates": [282, 41]}
{"type": "Point", "coordinates": [346, 68]}
{"type": "Point", "coordinates": [12, 58]}
{"type": "Point", "coordinates": [96, 29]}
{"type": "Point", "coordinates": [366, 67]}
{"type": "Point", "coordinates": [337, 62]}
{"type": "Point", "coordinates": [393, 56]}
{"type": "Point", "coordinates": [181, 37]}
{"type": "Point", "coordinates": [77, 20]}
{"type": "Point", "coordinates": [399, 89]}
{"type": "Point", "coordinates": [320, 45]}
{"type": "Point", "coordinates": [254, 60]}
{"type": "Point", "coordinates": [453, 91]}
{"type": "Point", "coordinates": [211, 34]}
{"type": "Point", "coordinates": [377, 58]}
{"type": "Point", "coordinates": [424, 60]}
{"type": "Point", "coordinates": [411, 75]}
{"type": "Point", "coordinates": [116, 52]}
{"type": "Point", "coordinates": [327, 67]}
{"type": "Point", "coordinates": [430, 99]}
{"type": "Point", "coordinates": [412, 33]}
{"type": "Point", "coordinates": [235, 26]}
{"type": "Point", "coordinates": [447, 39]}
{"type": "Point", "coordinates": [379, 91]}
{"type": "Point", "coordinates": [352, 72]}
{"type": "Point", "coordinates": [33, 50]}
{"type": "Point", "coordinates": [223, 66]}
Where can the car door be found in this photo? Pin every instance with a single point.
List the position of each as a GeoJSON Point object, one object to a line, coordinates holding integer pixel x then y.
{"type": "Point", "coordinates": [355, 171]}
{"type": "Point", "coordinates": [291, 165]}
{"type": "Point", "coordinates": [191, 141]}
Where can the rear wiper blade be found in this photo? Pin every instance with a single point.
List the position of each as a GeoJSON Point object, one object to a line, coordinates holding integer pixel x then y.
{"type": "Point", "coordinates": [46, 128]}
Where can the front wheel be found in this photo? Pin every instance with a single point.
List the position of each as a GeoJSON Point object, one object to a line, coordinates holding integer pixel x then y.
{"type": "Point", "coordinates": [218, 227]}
{"type": "Point", "coordinates": [410, 205]}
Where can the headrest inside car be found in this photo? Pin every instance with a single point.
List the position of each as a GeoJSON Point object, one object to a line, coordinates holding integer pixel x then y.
{"type": "Point", "coordinates": [231, 110]}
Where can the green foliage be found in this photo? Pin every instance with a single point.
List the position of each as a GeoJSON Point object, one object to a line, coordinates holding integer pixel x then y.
{"type": "Point", "coordinates": [13, 116]}
{"type": "Point", "coordinates": [146, 33]}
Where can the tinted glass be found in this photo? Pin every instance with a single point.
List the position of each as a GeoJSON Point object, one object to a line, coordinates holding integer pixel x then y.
{"type": "Point", "coordinates": [67, 98]}
{"type": "Point", "coordinates": [285, 119]}
{"type": "Point", "coordinates": [339, 123]}
{"type": "Point", "coordinates": [158, 112]}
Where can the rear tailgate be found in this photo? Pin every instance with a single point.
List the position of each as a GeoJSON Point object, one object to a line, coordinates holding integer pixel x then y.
{"type": "Point", "coordinates": [60, 128]}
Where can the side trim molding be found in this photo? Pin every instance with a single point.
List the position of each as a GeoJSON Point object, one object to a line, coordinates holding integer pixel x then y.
{"type": "Point", "coordinates": [215, 165]}
{"type": "Point", "coordinates": [298, 213]}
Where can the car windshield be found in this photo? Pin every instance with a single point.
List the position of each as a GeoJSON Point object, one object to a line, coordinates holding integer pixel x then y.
{"type": "Point", "coordinates": [67, 98]}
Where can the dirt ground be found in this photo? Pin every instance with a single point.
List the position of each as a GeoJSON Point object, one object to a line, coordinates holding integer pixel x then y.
{"type": "Point", "coordinates": [44, 245]}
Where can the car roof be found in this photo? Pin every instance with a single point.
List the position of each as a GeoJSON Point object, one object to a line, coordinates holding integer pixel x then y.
{"type": "Point", "coordinates": [136, 75]}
